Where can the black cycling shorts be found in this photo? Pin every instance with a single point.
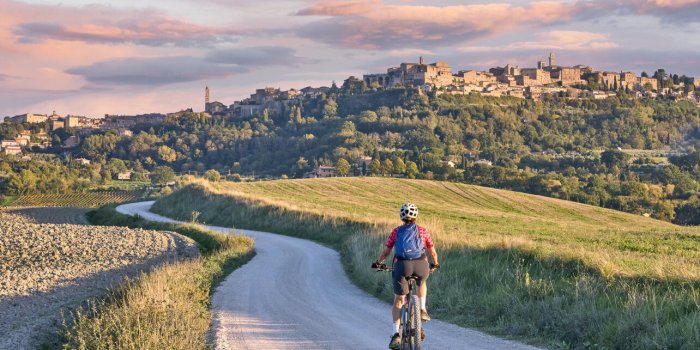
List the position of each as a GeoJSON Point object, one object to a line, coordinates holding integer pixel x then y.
{"type": "Point", "coordinates": [404, 268]}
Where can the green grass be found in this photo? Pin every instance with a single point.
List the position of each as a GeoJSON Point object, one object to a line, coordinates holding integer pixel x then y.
{"type": "Point", "coordinates": [91, 199]}
{"type": "Point", "coordinates": [7, 200]}
{"type": "Point", "coordinates": [556, 273]}
{"type": "Point", "coordinates": [167, 308]}
{"type": "Point", "coordinates": [124, 185]}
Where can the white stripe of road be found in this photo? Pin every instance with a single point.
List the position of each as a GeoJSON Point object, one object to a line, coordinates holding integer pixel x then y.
{"type": "Point", "coordinates": [294, 294]}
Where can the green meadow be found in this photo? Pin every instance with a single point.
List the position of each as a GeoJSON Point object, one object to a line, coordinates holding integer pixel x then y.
{"type": "Point", "coordinates": [550, 272]}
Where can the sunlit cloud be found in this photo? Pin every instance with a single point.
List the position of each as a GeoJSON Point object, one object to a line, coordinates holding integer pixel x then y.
{"type": "Point", "coordinates": [562, 40]}
{"type": "Point", "coordinates": [32, 23]}
{"type": "Point", "coordinates": [376, 25]}
{"type": "Point", "coordinates": [153, 31]}
{"type": "Point", "coordinates": [372, 24]}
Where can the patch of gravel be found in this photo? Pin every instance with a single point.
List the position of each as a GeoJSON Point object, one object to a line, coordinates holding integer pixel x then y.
{"type": "Point", "coordinates": [48, 267]}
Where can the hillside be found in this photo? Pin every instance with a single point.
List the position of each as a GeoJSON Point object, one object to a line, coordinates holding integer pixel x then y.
{"type": "Point", "coordinates": [465, 215]}
{"type": "Point", "coordinates": [559, 273]}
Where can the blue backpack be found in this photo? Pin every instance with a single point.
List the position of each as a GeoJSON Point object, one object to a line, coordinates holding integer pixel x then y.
{"type": "Point", "coordinates": [408, 245]}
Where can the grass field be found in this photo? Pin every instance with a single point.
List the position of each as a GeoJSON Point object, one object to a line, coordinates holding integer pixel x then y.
{"type": "Point", "coordinates": [91, 199]}
{"type": "Point", "coordinates": [124, 185]}
{"type": "Point", "coordinates": [7, 200]}
{"type": "Point", "coordinates": [558, 273]}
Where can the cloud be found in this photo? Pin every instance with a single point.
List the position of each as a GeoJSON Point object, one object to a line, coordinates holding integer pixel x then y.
{"type": "Point", "coordinates": [374, 24]}
{"type": "Point", "coordinates": [257, 56]}
{"type": "Point", "coordinates": [672, 3]}
{"type": "Point", "coordinates": [141, 31]}
{"type": "Point", "coordinates": [674, 12]}
{"type": "Point", "coordinates": [559, 40]}
{"type": "Point", "coordinates": [153, 71]}
{"type": "Point", "coordinates": [340, 8]}
{"type": "Point", "coordinates": [35, 23]}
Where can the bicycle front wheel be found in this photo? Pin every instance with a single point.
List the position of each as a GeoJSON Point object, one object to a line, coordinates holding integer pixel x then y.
{"type": "Point", "coordinates": [416, 324]}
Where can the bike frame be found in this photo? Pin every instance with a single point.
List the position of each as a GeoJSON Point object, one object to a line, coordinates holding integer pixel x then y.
{"type": "Point", "coordinates": [407, 330]}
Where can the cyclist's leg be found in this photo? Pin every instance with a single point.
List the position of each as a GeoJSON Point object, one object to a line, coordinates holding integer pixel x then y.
{"type": "Point", "coordinates": [400, 286]}
{"type": "Point", "coordinates": [421, 269]}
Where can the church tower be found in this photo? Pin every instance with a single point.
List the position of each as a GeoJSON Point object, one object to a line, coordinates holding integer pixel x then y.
{"type": "Point", "coordinates": [552, 62]}
{"type": "Point", "coordinates": [206, 99]}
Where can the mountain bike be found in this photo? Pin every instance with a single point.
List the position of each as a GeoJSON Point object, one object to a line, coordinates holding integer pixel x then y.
{"type": "Point", "coordinates": [411, 324]}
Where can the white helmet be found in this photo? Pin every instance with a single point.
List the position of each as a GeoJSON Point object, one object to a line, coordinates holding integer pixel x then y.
{"type": "Point", "coordinates": [409, 211]}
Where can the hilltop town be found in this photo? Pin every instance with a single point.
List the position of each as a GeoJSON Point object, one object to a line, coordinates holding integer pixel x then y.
{"type": "Point", "coordinates": [536, 83]}
{"type": "Point", "coordinates": [546, 79]}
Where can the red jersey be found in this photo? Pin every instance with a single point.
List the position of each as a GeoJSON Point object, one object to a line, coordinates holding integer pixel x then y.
{"type": "Point", "coordinates": [422, 233]}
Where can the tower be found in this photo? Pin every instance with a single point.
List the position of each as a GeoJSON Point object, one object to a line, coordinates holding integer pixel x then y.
{"type": "Point", "coordinates": [206, 99]}
{"type": "Point", "coordinates": [421, 61]}
{"type": "Point", "coordinates": [552, 62]}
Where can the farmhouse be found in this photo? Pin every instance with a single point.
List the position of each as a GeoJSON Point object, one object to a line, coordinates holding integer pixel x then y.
{"type": "Point", "coordinates": [322, 171]}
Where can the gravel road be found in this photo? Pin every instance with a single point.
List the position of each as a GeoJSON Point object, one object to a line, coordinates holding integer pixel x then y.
{"type": "Point", "coordinates": [47, 267]}
{"type": "Point", "coordinates": [295, 295]}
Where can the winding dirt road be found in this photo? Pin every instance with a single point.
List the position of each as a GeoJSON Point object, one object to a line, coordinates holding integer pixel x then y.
{"type": "Point", "coordinates": [295, 295]}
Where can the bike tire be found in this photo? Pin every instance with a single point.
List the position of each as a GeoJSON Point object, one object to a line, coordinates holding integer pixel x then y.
{"type": "Point", "coordinates": [405, 327]}
{"type": "Point", "coordinates": [415, 324]}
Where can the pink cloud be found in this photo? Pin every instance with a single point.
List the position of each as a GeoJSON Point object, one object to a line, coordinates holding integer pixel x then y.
{"type": "Point", "coordinates": [673, 3]}
{"type": "Point", "coordinates": [566, 40]}
{"type": "Point", "coordinates": [555, 40]}
{"type": "Point", "coordinates": [340, 8]}
{"type": "Point", "coordinates": [104, 24]}
{"type": "Point", "coordinates": [373, 24]}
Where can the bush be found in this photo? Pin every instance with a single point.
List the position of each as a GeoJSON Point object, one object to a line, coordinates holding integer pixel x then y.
{"type": "Point", "coordinates": [212, 175]}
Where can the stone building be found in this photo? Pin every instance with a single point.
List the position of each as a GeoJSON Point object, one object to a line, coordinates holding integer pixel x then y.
{"type": "Point", "coordinates": [322, 171]}
{"type": "Point", "coordinates": [11, 150]}
{"type": "Point", "coordinates": [628, 80]}
{"type": "Point", "coordinates": [695, 81]}
{"type": "Point", "coordinates": [290, 94]}
{"type": "Point", "coordinates": [473, 77]}
{"type": "Point", "coordinates": [534, 77]}
{"type": "Point", "coordinates": [268, 94]}
{"type": "Point", "coordinates": [216, 107]}
{"type": "Point", "coordinates": [609, 79]}
{"type": "Point", "coordinates": [567, 75]}
{"type": "Point", "coordinates": [56, 123]}
{"type": "Point", "coordinates": [438, 74]}
{"type": "Point", "coordinates": [29, 118]}
{"type": "Point", "coordinates": [645, 82]}
{"type": "Point", "coordinates": [241, 110]}
{"type": "Point", "coordinates": [74, 121]}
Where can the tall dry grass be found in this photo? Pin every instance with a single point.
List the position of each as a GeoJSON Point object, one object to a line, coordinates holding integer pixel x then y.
{"type": "Point", "coordinates": [551, 272]}
{"type": "Point", "coordinates": [167, 308]}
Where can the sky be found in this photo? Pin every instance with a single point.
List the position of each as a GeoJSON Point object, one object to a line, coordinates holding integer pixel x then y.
{"type": "Point", "coordinates": [89, 57]}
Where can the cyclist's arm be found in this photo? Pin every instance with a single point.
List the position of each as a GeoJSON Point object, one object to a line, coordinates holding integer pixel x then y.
{"type": "Point", "coordinates": [384, 254]}
{"type": "Point", "coordinates": [433, 255]}
{"type": "Point", "coordinates": [387, 247]}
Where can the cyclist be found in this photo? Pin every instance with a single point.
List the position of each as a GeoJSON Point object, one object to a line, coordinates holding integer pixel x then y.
{"type": "Point", "coordinates": [409, 241]}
